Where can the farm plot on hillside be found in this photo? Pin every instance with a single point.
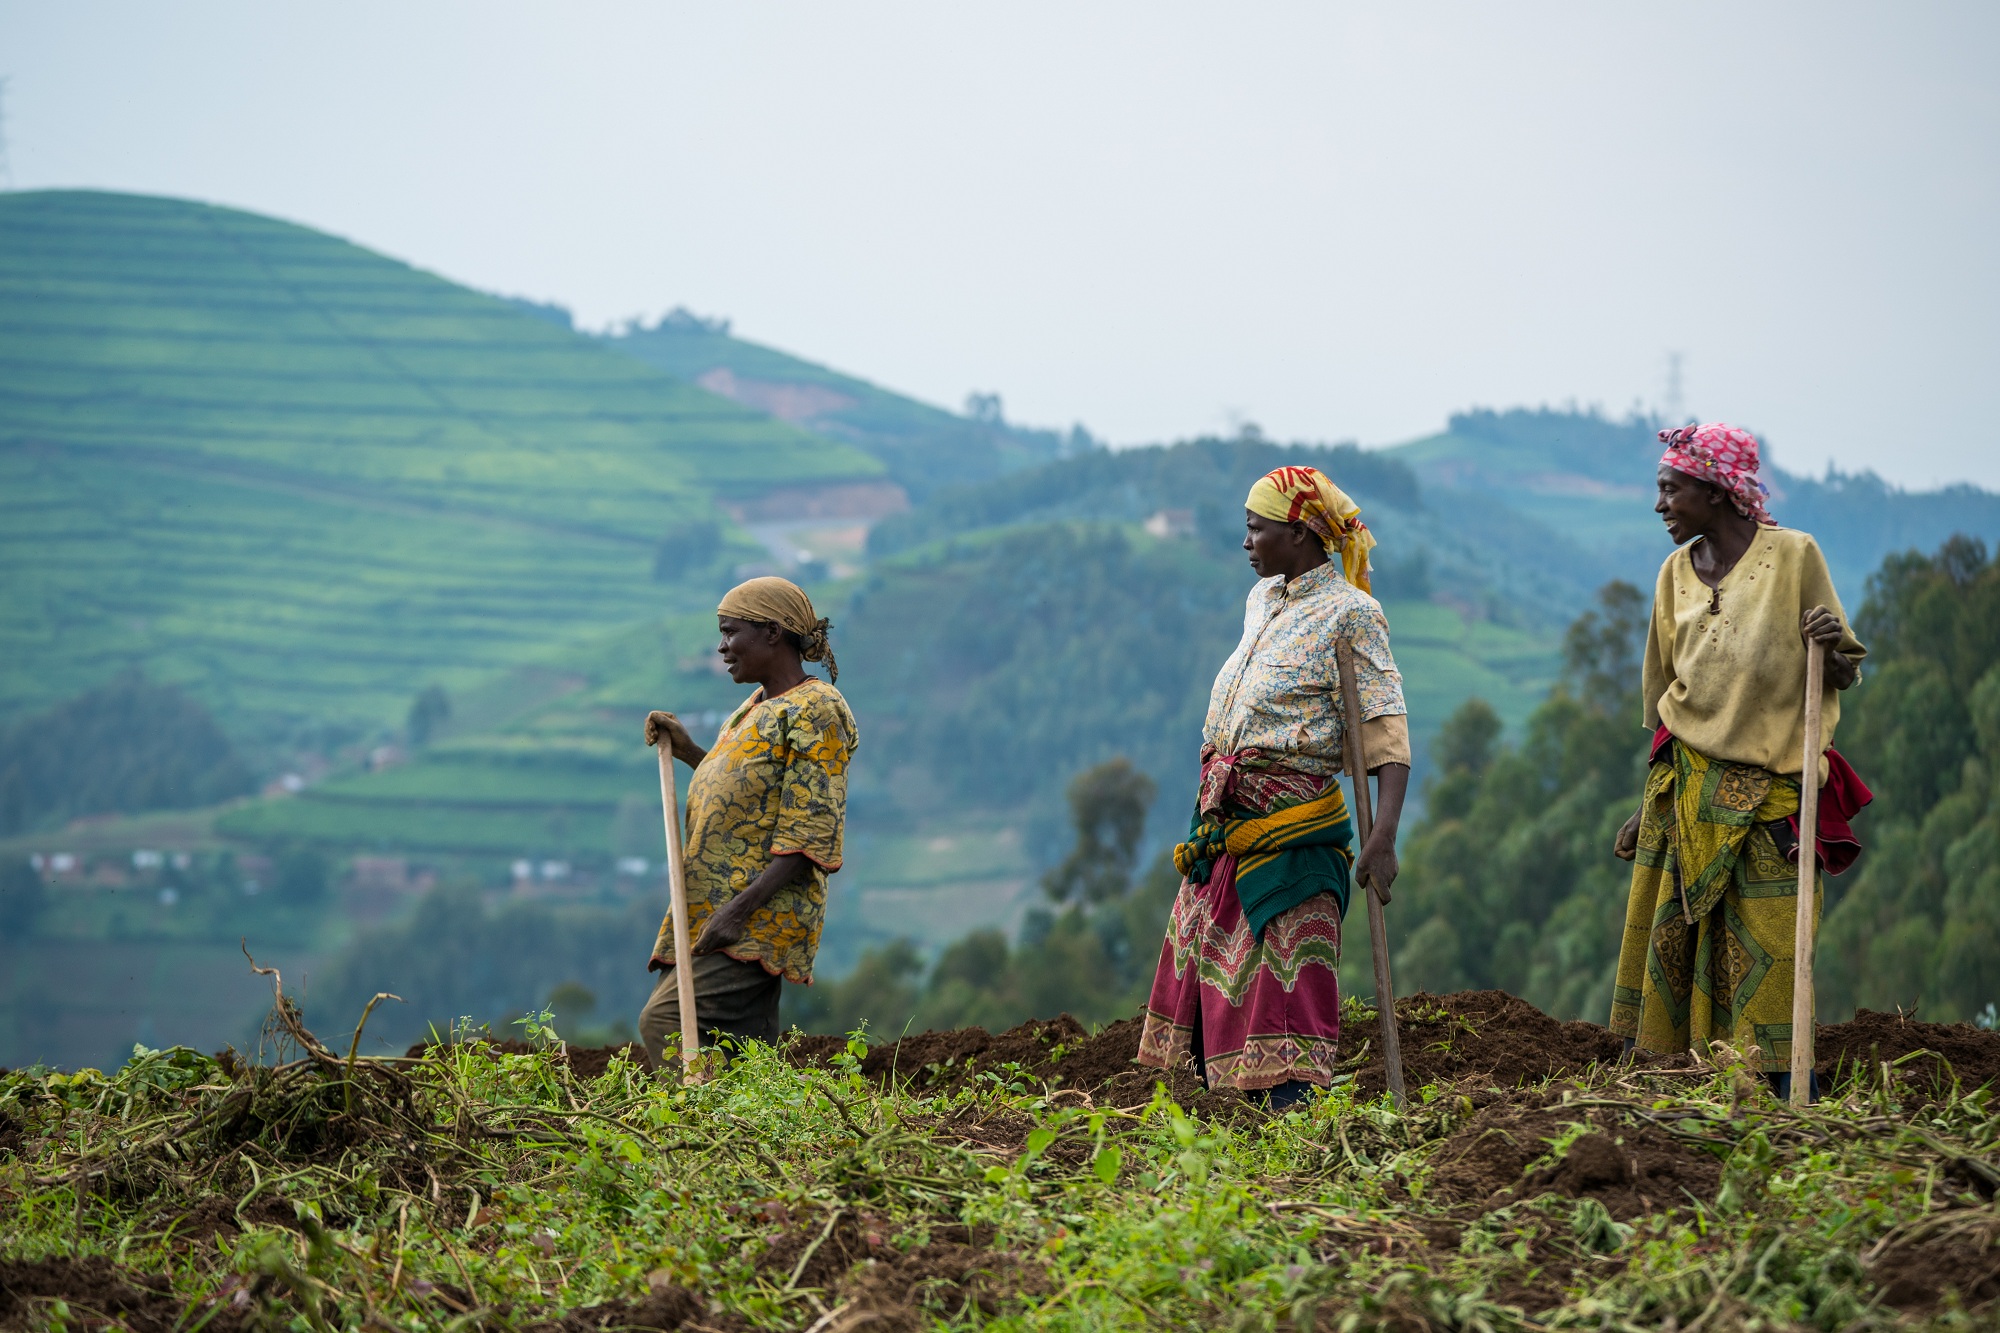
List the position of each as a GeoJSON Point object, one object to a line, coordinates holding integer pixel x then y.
{"type": "Point", "coordinates": [1033, 1178]}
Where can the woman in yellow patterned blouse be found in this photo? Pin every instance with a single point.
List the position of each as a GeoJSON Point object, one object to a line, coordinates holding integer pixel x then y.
{"type": "Point", "coordinates": [765, 815]}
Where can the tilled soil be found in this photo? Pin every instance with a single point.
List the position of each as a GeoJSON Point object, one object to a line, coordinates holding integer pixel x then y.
{"type": "Point", "coordinates": [1855, 1050]}
{"type": "Point", "coordinates": [1632, 1168]}
{"type": "Point", "coordinates": [1915, 1275]}
{"type": "Point", "coordinates": [100, 1295]}
{"type": "Point", "coordinates": [1488, 1037]}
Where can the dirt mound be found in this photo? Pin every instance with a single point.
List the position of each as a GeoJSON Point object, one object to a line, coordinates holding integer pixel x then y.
{"type": "Point", "coordinates": [583, 1061]}
{"type": "Point", "coordinates": [1056, 1052]}
{"type": "Point", "coordinates": [1489, 1035]}
{"type": "Point", "coordinates": [1914, 1275]}
{"type": "Point", "coordinates": [1851, 1050]}
{"type": "Point", "coordinates": [216, 1218]}
{"type": "Point", "coordinates": [100, 1295]}
{"type": "Point", "coordinates": [1630, 1166]}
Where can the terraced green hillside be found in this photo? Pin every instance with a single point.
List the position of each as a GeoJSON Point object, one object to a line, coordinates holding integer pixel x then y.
{"type": "Point", "coordinates": [306, 479]}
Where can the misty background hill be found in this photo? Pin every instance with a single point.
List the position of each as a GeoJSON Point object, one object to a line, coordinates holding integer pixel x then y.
{"type": "Point", "coordinates": [410, 562]}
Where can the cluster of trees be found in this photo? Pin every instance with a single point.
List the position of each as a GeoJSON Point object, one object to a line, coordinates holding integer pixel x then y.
{"type": "Point", "coordinates": [1509, 881]}
{"type": "Point", "coordinates": [1012, 662]}
{"type": "Point", "coordinates": [1919, 926]}
{"type": "Point", "coordinates": [1090, 953]}
{"type": "Point", "coordinates": [127, 746]}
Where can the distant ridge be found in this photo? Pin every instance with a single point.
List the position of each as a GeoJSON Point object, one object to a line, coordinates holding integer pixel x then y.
{"type": "Point", "coordinates": [1590, 478]}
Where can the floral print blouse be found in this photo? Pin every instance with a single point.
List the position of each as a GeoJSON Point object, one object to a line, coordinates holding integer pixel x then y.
{"type": "Point", "coordinates": [774, 782]}
{"type": "Point", "coordinates": [1280, 690]}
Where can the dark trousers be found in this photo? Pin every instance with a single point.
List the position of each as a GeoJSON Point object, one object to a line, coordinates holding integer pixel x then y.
{"type": "Point", "coordinates": [731, 999]}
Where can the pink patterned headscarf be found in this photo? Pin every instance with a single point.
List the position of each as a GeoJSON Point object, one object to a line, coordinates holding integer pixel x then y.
{"type": "Point", "coordinates": [1724, 455]}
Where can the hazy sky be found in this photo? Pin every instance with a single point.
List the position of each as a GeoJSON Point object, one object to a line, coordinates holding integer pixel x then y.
{"type": "Point", "coordinates": [1154, 218]}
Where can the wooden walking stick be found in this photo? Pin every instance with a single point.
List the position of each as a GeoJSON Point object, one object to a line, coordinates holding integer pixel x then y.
{"type": "Point", "coordinates": [677, 895]}
{"type": "Point", "coordinates": [1802, 937]}
{"type": "Point", "coordinates": [1364, 823]}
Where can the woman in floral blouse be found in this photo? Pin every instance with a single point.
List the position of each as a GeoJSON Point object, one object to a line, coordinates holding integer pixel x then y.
{"type": "Point", "coordinates": [1247, 984]}
{"type": "Point", "coordinates": [765, 816]}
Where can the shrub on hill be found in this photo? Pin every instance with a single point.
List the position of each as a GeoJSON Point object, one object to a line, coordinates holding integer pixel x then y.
{"type": "Point", "coordinates": [457, 957]}
{"type": "Point", "coordinates": [128, 746]}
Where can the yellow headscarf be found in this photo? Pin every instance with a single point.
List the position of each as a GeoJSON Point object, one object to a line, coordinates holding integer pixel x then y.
{"type": "Point", "coordinates": [1306, 495]}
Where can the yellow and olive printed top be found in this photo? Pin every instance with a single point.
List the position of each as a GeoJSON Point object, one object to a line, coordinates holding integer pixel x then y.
{"type": "Point", "coordinates": [774, 782]}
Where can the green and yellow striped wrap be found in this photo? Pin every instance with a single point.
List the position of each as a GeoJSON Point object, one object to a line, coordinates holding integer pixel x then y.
{"type": "Point", "coordinates": [1281, 859]}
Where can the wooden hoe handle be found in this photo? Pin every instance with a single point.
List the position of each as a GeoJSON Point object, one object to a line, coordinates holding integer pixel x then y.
{"type": "Point", "coordinates": [1364, 824]}
{"type": "Point", "coordinates": [1802, 938]}
{"type": "Point", "coordinates": [678, 897]}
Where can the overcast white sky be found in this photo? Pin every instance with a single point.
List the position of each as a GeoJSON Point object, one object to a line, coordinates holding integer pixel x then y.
{"type": "Point", "coordinates": [1154, 218]}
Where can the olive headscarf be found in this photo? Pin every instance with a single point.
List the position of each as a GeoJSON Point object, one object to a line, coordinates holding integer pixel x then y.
{"type": "Point", "coordinates": [781, 602]}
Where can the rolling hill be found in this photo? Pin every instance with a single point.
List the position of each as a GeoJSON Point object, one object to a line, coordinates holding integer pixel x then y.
{"type": "Point", "coordinates": [1590, 479]}
{"type": "Point", "coordinates": [306, 480]}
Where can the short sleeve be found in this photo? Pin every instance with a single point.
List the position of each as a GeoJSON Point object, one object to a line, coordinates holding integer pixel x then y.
{"type": "Point", "coordinates": [812, 809]}
{"type": "Point", "coordinates": [1386, 740]}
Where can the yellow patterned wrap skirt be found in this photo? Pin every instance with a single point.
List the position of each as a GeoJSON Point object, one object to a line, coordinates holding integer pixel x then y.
{"type": "Point", "coordinates": [1708, 950]}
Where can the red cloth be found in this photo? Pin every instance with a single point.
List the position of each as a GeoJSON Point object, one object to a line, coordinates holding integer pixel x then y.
{"type": "Point", "coordinates": [1725, 455]}
{"type": "Point", "coordinates": [1840, 800]}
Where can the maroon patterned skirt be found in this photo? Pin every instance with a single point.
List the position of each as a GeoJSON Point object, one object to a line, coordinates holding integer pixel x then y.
{"type": "Point", "coordinates": [1257, 1013]}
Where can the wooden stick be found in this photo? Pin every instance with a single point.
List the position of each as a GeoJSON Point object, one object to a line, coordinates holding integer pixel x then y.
{"type": "Point", "coordinates": [1364, 824]}
{"type": "Point", "coordinates": [1802, 938]}
{"type": "Point", "coordinates": [678, 906]}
